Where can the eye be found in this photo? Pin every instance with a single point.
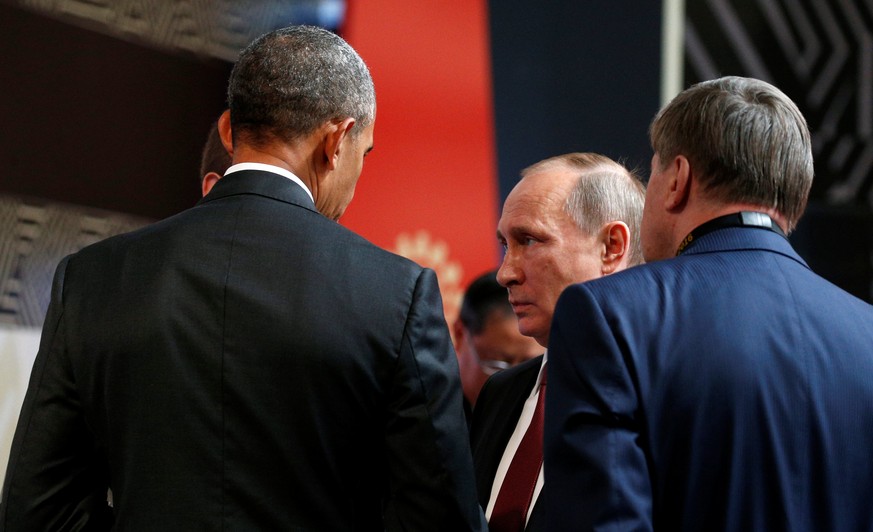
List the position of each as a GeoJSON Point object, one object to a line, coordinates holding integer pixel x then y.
{"type": "Point", "coordinates": [528, 241]}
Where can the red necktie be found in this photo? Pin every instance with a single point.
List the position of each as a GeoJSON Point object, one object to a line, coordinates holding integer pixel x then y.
{"type": "Point", "coordinates": [516, 492]}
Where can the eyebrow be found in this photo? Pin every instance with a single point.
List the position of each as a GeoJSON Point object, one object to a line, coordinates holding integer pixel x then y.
{"type": "Point", "coordinates": [526, 229]}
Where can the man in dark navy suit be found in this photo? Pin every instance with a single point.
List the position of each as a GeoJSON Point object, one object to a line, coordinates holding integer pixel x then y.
{"type": "Point", "coordinates": [249, 364]}
{"type": "Point", "coordinates": [571, 218]}
{"type": "Point", "coordinates": [723, 385]}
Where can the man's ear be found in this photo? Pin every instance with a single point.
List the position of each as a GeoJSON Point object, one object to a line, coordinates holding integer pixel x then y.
{"type": "Point", "coordinates": [679, 183]}
{"type": "Point", "coordinates": [334, 141]}
{"type": "Point", "coordinates": [616, 246]}
{"type": "Point", "coordinates": [209, 181]}
{"type": "Point", "coordinates": [225, 133]}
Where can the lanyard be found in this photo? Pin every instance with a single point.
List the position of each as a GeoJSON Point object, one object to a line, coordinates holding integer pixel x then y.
{"type": "Point", "coordinates": [737, 219]}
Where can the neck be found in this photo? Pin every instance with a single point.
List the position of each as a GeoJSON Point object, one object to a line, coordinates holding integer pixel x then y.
{"type": "Point", "coordinates": [287, 157]}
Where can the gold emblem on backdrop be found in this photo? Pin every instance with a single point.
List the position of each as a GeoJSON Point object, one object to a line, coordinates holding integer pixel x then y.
{"type": "Point", "coordinates": [432, 253]}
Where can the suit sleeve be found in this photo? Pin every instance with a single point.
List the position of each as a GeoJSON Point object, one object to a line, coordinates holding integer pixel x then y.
{"type": "Point", "coordinates": [484, 459]}
{"type": "Point", "coordinates": [596, 469]}
{"type": "Point", "coordinates": [431, 479]}
{"type": "Point", "coordinates": [56, 479]}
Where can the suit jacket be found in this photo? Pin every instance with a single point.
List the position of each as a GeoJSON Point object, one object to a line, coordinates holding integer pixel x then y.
{"type": "Point", "coordinates": [729, 388]}
{"type": "Point", "coordinates": [247, 364]}
{"type": "Point", "coordinates": [495, 416]}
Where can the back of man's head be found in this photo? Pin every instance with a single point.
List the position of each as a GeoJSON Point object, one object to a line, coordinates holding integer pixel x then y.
{"type": "Point", "coordinates": [289, 82]}
{"type": "Point", "coordinates": [606, 191]}
{"type": "Point", "coordinates": [745, 140]}
{"type": "Point", "coordinates": [214, 158]}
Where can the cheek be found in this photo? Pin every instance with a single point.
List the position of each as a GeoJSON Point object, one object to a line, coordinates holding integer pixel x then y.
{"type": "Point", "coordinates": [580, 263]}
{"type": "Point", "coordinates": [552, 280]}
{"type": "Point", "coordinates": [649, 204]}
{"type": "Point", "coordinates": [649, 222]}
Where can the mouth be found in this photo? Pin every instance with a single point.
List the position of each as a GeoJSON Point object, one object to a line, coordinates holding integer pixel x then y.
{"type": "Point", "coordinates": [519, 306]}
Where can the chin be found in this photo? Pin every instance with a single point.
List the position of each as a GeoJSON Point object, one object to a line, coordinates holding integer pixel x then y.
{"type": "Point", "coordinates": [529, 330]}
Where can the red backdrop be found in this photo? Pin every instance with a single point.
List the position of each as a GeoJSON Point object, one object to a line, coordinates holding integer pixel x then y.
{"type": "Point", "coordinates": [429, 188]}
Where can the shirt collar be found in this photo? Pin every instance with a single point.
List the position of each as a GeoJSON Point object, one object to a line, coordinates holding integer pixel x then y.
{"type": "Point", "coordinates": [540, 374]}
{"type": "Point", "coordinates": [270, 168]}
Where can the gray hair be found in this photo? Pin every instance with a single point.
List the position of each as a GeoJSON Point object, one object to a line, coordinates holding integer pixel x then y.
{"type": "Point", "coordinates": [606, 191]}
{"type": "Point", "coordinates": [746, 141]}
{"type": "Point", "coordinates": [289, 82]}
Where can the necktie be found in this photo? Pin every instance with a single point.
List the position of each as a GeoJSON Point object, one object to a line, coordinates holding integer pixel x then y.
{"type": "Point", "coordinates": [516, 492]}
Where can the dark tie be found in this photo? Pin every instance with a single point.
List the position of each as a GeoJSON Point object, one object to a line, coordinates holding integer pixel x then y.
{"type": "Point", "coordinates": [516, 492]}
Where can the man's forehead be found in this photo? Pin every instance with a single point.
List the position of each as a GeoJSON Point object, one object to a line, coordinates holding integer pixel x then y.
{"type": "Point", "coordinates": [538, 227]}
{"type": "Point", "coordinates": [532, 205]}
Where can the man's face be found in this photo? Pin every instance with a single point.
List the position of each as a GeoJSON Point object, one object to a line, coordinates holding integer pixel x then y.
{"type": "Point", "coordinates": [654, 233]}
{"type": "Point", "coordinates": [546, 251]}
{"type": "Point", "coordinates": [345, 176]}
{"type": "Point", "coordinates": [498, 345]}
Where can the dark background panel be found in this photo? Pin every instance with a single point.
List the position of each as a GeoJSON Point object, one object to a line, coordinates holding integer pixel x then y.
{"type": "Point", "coordinates": [573, 76]}
{"type": "Point", "coordinates": [837, 243]}
{"type": "Point", "coordinates": [95, 121]}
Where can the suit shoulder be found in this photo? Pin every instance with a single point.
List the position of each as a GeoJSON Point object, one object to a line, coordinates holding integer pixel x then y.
{"type": "Point", "coordinates": [509, 376]}
{"type": "Point", "coordinates": [636, 277]}
{"type": "Point", "coordinates": [99, 250]}
{"type": "Point", "coordinates": [503, 393]}
{"type": "Point", "coordinates": [374, 252]}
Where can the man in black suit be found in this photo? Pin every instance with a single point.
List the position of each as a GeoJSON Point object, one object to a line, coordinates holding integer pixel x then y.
{"type": "Point", "coordinates": [570, 218]}
{"type": "Point", "coordinates": [249, 364]}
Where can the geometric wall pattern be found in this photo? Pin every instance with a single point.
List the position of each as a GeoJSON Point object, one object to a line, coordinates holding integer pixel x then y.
{"type": "Point", "coordinates": [34, 236]}
{"type": "Point", "coordinates": [820, 53]}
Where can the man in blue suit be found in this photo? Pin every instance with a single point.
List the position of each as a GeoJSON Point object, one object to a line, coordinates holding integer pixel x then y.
{"type": "Point", "coordinates": [724, 385]}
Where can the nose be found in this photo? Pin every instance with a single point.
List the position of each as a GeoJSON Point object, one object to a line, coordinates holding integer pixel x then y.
{"type": "Point", "coordinates": [509, 273]}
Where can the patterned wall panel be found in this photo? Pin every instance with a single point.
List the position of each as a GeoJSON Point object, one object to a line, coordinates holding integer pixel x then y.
{"type": "Point", "coordinates": [820, 52]}
{"type": "Point", "coordinates": [34, 236]}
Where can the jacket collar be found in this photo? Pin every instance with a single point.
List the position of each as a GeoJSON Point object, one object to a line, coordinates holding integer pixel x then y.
{"type": "Point", "coordinates": [260, 183]}
{"type": "Point", "coordinates": [743, 239]}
